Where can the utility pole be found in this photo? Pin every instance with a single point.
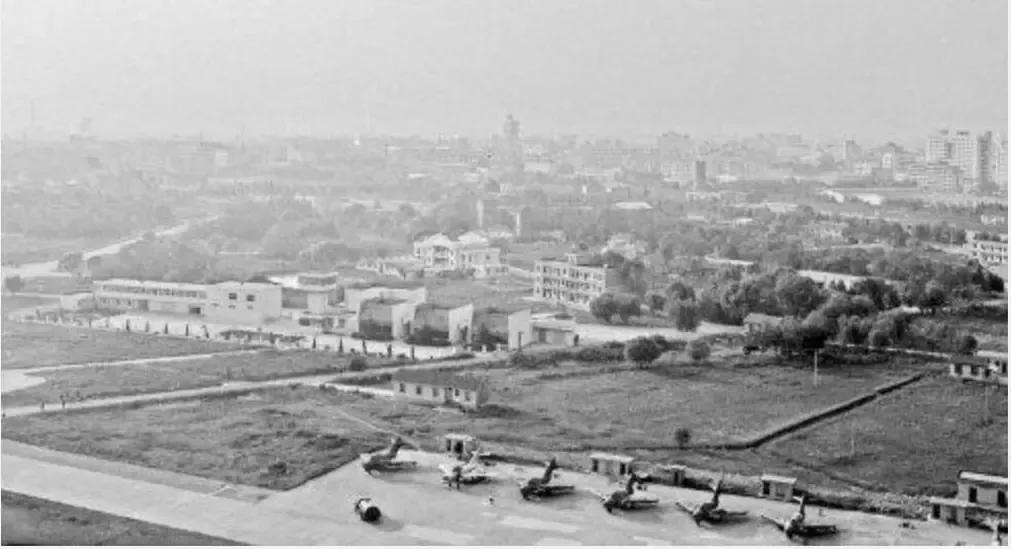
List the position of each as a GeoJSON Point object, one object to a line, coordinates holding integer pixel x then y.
{"type": "Point", "coordinates": [816, 368]}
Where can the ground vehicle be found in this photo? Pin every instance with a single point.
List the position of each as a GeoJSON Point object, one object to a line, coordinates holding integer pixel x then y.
{"type": "Point", "coordinates": [471, 472]}
{"type": "Point", "coordinates": [367, 511]}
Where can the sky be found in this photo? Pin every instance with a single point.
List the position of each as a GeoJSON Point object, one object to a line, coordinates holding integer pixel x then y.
{"type": "Point", "coordinates": [870, 69]}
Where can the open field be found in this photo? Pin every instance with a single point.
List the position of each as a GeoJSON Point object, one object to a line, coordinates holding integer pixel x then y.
{"type": "Point", "coordinates": [33, 521]}
{"type": "Point", "coordinates": [131, 379]}
{"type": "Point", "coordinates": [915, 440]}
{"type": "Point", "coordinates": [274, 439]}
{"type": "Point", "coordinates": [31, 345]}
{"type": "Point", "coordinates": [579, 406]}
{"type": "Point", "coordinates": [13, 302]}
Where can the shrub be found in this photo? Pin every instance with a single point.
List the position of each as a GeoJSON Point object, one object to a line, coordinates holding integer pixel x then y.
{"type": "Point", "coordinates": [642, 351]}
{"type": "Point", "coordinates": [668, 359]}
{"type": "Point", "coordinates": [683, 437]}
{"type": "Point", "coordinates": [698, 350]}
{"type": "Point", "coordinates": [358, 364]}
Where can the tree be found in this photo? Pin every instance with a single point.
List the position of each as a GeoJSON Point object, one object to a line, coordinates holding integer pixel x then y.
{"type": "Point", "coordinates": [967, 344]}
{"type": "Point", "coordinates": [655, 301]}
{"type": "Point", "coordinates": [683, 437]}
{"type": "Point", "coordinates": [933, 297]}
{"type": "Point", "coordinates": [642, 351]}
{"type": "Point", "coordinates": [632, 275]}
{"type": "Point", "coordinates": [14, 283]}
{"type": "Point", "coordinates": [358, 364]}
{"type": "Point", "coordinates": [698, 350]}
{"type": "Point", "coordinates": [878, 338]}
{"type": "Point", "coordinates": [797, 295]}
{"type": "Point", "coordinates": [685, 314]}
{"type": "Point", "coordinates": [604, 307]}
{"type": "Point", "coordinates": [680, 291]}
{"type": "Point", "coordinates": [882, 294]}
{"type": "Point", "coordinates": [628, 306]}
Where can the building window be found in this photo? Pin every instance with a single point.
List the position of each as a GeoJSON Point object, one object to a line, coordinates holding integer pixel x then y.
{"type": "Point", "coordinates": [233, 296]}
{"type": "Point", "coordinates": [403, 388]}
{"type": "Point", "coordinates": [466, 396]}
{"type": "Point", "coordinates": [972, 494]}
{"type": "Point", "coordinates": [1001, 498]}
{"type": "Point", "coordinates": [435, 391]}
{"type": "Point", "coordinates": [417, 389]}
{"type": "Point", "coordinates": [457, 392]}
{"type": "Point", "coordinates": [250, 298]}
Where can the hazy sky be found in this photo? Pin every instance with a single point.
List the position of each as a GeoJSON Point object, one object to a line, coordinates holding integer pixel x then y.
{"type": "Point", "coordinates": [866, 68]}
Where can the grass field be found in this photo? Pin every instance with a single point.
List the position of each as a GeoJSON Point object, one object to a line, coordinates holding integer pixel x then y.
{"type": "Point", "coordinates": [32, 521]}
{"type": "Point", "coordinates": [31, 345]}
{"type": "Point", "coordinates": [10, 303]}
{"type": "Point", "coordinates": [915, 440]}
{"type": "Point", "coordinates": [579, 406]}
{"type": "Point", "coordinates": [106, 381]}
{"type": "Point", "coordinates": [274, 439]}
{"type": "Point", "coordinates": [524, 254]}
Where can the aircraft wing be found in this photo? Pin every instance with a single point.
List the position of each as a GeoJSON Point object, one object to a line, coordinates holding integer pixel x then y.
{"type": "Point", "coordinates": [781, 524]}
{"type": "Point", "coordinates": [640, 499]}
{"type": "Point", "coordinates": [684, 507]}
{"type": "Point", "coordinates": [812, 530]}
{"type": "Point", "coordinates": [446, 469]}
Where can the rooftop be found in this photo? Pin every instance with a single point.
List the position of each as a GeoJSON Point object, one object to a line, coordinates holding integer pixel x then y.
{"type": "Point", "coordinates": [982, 478]}
{"type": "Point", "coordinates": [777, 478]}
{"type": "Point", "coordinates": [439, 378]}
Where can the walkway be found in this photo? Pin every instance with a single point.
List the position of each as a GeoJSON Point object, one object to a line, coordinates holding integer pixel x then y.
{"type": "Point", "coordinates": [232, 388]}
{"type": "Point", "coordinates": [417, 509]}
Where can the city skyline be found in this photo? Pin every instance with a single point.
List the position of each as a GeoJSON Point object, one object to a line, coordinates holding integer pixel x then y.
{"type": "Point", "coordinates": [588, 68]}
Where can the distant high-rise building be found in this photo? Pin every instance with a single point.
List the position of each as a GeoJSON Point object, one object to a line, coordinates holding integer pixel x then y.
{"type": "Point", "coordinates": [851, 151]}
{"type": "Point", "coordinates": [960, 149]}
{"type": "Point", "coordinates": [985, 159]}
{"type": "Point", "coordinates": [700, 171]}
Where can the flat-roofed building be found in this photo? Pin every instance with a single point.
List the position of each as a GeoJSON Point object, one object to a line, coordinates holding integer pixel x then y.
{"type": "Point", "coordinates": [573, 282]}
{"type": "Point", "coordinates": [237, 302]}
{"type": "Point", "coordinates": [440, 325]}
{"type": "Point", "coordinates": [980, 497]}
{"type": "Point", "coordinates": [244, 302]}
{"type": "Point", "coordinates": [984, 366]}
{"type": "Point", "coordinates": [512, 327]}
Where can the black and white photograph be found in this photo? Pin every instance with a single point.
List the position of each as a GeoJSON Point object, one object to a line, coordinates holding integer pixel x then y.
{"type": "Point", "coordinates": [504, 272]}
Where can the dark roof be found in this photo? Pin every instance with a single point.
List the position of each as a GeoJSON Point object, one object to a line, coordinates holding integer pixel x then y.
{"type": "Point", "coordinates": [969, 359]}
{"type": "Point", "coordinates": [440, 378]}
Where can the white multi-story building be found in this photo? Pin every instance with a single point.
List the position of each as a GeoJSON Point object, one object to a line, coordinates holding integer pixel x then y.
{"type": "Point", "coordinates": [468, 253]}
{"type": "Point", "coordinates": [988, 252]}
{"type": "Point", "coordinates": [236, 302]}
{"type": "Point", "coordinates": [574, 282]}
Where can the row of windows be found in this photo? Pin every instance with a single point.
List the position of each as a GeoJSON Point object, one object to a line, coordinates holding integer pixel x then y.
{"type": "Point", "coordinates": [234, 297]}
{"type": "Point", "coordinates": [152, 291]}
{"type": "Point", "coordinates": [435, 392]}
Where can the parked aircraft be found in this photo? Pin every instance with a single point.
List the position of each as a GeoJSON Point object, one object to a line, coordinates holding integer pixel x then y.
{"type": "Point", "coordinates": [628, 499]}
{"type": "Point", "coordinates": [797, 527]}
{"type": "Point", "coordinates": [710, 511]}
{"type": "Point", "coordinates": [541, 487]}
{"type": "Point", "coordinates": [386, 460]}
{"type": "Point", "coordinates": [471, 472]}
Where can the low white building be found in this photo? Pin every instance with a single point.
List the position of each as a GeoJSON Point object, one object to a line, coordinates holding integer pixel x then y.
{"type": "Point", "coordinates": [234, 302]}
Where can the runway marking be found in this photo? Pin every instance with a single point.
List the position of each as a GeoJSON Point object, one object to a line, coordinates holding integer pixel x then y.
{"type": "Point", "coordinates": [537, 524]}
{"type": "Point", "coordinates": [557, 541]}
{"type": "Point", "coordinates": [652, 541]}
{"type": "Point", "coordinates": [443, 537]}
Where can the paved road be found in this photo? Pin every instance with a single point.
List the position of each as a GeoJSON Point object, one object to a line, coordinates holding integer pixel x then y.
{"type": "Point", "coordinates": [230, 388]}
{"type": "Point", "coordinates": [418, 510]}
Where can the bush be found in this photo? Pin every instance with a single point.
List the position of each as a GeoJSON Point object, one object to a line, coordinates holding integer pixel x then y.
{"type": "Point", "coordinates": [698, 350]}
{"type": "Point", "coordinates": [683, 437]}
{"type": "Point", "coordinates": [668, 359]}
{"type": "Point", "coordinates": [642, 351]}
{"type": "Point", "coordinates": [358, 364]}
{"type": "Point", "coordinates": [600, 354]}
